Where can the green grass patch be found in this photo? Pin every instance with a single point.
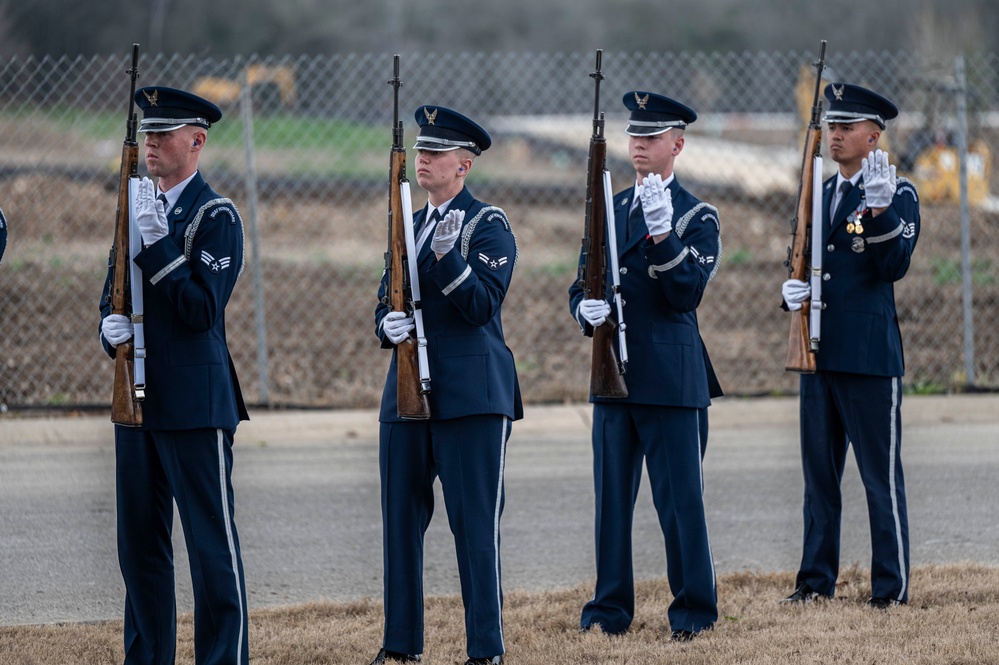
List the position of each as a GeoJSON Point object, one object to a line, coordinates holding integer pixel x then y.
{"type": "Point", "coordinates": [947, 272]}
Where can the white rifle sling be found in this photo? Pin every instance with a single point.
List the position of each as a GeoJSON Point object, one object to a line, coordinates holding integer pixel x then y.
{"type": "Point", "coordinates": [615, 270]}
{"type": "Point", "coordinates": [414, 281]}
{"type": "Point", "coordinates": [815, 313]}
{"type": "Point", "coordinates": [135, 280]}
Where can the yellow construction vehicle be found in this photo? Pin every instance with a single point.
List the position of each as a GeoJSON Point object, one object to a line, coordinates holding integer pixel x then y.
{"type": "Point", "coordinates": [271, 85]}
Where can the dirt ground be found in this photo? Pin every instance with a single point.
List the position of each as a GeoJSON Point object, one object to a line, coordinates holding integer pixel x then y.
{"type": "Point", "coordinates": [321, 260]}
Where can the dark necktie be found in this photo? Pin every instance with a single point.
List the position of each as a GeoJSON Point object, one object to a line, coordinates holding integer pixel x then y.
{"type": "Point", "coordinates": [162, 199]}
{"type": "Point", "coordinates": [428, 220]}
{"type": "Point", "coordinates": [636, 222]}
{"type": "Point", "coordinates": [844, 189]}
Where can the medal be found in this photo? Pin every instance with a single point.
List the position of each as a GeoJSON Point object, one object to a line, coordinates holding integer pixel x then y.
{"type": "Point", "coordinates": [850, 227]}
{"type": "Point", "coordinates": [858, 227]}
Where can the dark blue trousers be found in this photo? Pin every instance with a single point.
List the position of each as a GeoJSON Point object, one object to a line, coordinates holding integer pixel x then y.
{"type": "Point", "coordinates": [468, 454]}
{"type": "Point", "coordinates": [838, 409]}
{"type": "Point", "coordinates": [193, 468]}
{"type": "Point", "coordinates": [671, 441]}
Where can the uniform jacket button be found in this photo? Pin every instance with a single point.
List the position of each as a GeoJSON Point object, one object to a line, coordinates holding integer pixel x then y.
{"type": "Point", "coordinates": [826, 277]}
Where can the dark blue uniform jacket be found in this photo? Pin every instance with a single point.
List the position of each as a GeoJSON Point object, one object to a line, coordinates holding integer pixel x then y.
{"type": "Point", "coordinates": [188, 277]}
{"type": "Point", "coordinates": [859, 326]}
{"type": "Point", "coordinates": [662, 285]}
{"type": "Point", "coordinates": [472, 370]}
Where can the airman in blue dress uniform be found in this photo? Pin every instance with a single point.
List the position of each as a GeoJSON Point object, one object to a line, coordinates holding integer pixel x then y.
{"type": "Point", "coordinates": [466, 255]}
{"type": "Point", "coordinates": [870, 223]}
{"type": "Point", "coordinates": [192, 255]}
{"type": "Point", "coordinates": [669, 247]}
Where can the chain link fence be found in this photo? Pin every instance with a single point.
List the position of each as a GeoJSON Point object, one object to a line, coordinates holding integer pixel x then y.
{"type": "Point", "coordinates": [303, 151]}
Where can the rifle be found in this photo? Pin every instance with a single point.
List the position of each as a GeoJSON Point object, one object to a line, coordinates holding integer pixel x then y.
{"type": "Point", "coordinates": [607, 367]}
{"type": "Point", "coordinates": [804, 256]}
{"type": "Point", "coordinates": [129, 374]}
{"type": "Point", "coordinates": [403, 282]}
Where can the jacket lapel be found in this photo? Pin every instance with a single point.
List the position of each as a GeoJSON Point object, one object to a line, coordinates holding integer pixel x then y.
{"type": "Point", "coordinates": [827, 195]}
{"type": "Point", "coordinates": [462, 201]}
{"type": "Point", "coordinates": [182, 209]}
{"type": "Point", "coordinates": [622, 204]}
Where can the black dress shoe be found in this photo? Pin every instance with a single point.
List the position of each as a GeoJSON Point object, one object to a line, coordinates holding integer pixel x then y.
{"type": "Point", "coordinates": [883, 603]}
{"type": "Point", "coordinates": [386, 656]}
{"type": "Point", "coordinates": [495, 660]}
{"type": "Point", "coordinates": [682, 636]}
{"type": "Point", "coordinates": [803, 595]}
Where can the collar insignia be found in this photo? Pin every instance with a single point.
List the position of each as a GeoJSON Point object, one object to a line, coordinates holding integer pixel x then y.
{"type": "Point", "coordinates": [153, 98]}
{"type": "Point", "coordinates": [838, 93]}
{"type": "Point", "coordinates": [642, 101]}
{"type": "Point", "coordinates": [430, 116]}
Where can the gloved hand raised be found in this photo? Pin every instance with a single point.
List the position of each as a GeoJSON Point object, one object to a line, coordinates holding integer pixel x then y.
{"type": "Point", "coordinates": [657, 205]}
{"type": "Point", "coordinates": [594, 311]}
{"type": "Point", "coordinates": [879, 179]}
{"type": "Point", "coordinates": [149, 214]}
{"type": "Point", "coordinates": [397, 326]}
{"type": "Point", "coordinates": [116, 328]}
{"type": "Point", "coordinates": [795, 292]}
{"type": "Point", "coordinates": [447, 232]}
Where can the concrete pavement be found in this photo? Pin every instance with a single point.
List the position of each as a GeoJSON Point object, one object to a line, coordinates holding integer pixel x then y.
{"type": "Point", "coordinates": [307, 504]}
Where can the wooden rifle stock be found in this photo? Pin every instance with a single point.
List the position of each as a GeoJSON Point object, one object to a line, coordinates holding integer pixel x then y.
{"type": "Point", "coordinates": [411, 397]}
{"type": "Point", "coordinates": [800, 356]}
{"type": "Point", "coordinates": [606, 370]}
{"type": "Point", "coordinates": [126, 402]}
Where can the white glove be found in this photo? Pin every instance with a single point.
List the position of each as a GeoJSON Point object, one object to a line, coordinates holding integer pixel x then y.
{"type": "Point", "coordinates": [149, 213]}
{"type": "Point", "coordinates": [447, 232]}
{"type": "Point", "coordinates": [397, 326]}
{"type": "Point", "coordinates": [657, 205]}
{"type": "Point", "coordinates": [116, 328]}
{"type": "Point", "coordinates": [795, 292]}
{"type": "Point", "coordinates": [879, 179]}
{"type": "Point", "coordinates": [594, 311]}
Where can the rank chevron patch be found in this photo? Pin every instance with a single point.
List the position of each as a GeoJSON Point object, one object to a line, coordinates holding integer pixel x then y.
{"type": "Point", "coordinates": [493, 264]}
{"type": "Point", "coordinates": [215, 265]}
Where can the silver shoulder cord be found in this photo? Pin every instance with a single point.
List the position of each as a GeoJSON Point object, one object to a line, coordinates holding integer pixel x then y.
{"type": "Point", "coordinates": [615, 273]}
{"type": "Point", "coordinates": [135, 280]}
{"type": "Point", "coordinates": [815, 314]}
{"type": "Point", "coordinates": [414, 281]}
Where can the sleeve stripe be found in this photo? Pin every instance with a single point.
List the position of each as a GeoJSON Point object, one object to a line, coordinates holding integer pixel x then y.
{"type": "Point", "coordinates": [887, 236]}
{"type": "Point", "coordinates": [169, 268]}
{"type": "Point", "coordinates": [457, 282]}
{"type": "Point", "coordinates": [653, 269]}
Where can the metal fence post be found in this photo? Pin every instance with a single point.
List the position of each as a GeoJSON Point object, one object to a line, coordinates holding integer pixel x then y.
{"type": "Point", "coordinates": [246, 104]}
{"type": "Point", "coordinates": [966, 277]}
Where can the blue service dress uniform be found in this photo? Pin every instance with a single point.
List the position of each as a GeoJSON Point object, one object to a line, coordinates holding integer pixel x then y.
{"type": "Point", "coordinates": [474, 397]}
{"type": "Point", "coordinates": [855, 396]}
{"type": "Point", "coordinates": [183, 450]}
{"type": "Point", "coordinates": [664, 417]}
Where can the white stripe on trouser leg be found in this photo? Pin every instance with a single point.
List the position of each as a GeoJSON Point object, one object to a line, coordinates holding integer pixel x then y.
{"type": "Point", "coordinates": [496, 527]}
{"type": "Point", "coordinates": [700, 471]}
{"type": "Point", "coordinates": [232, 544]}
{"type": "Point", "coordinates": [893, 460]}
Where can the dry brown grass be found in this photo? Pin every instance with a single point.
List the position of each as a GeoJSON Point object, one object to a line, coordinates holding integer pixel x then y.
{"type": "Point", "coordinates": [953, 618]}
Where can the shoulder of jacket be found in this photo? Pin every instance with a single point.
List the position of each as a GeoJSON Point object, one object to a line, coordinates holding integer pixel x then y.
{"type": "Point", "coordinates": [219, 210]}
{"type": "Point", "coordinates": [485, 214]}
{"type": "Point", "coordinates": [906, 186]}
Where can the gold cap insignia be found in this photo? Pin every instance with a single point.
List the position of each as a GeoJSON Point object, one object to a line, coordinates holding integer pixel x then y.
{"type": "Point", "coordinates": [152, 98]}
{"type": "Point", "coordinates": [430, 116]}
{"type": "Point", "coordinates": [838, 93]}
{"type": "Point", "coordinates": [642, 101]}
